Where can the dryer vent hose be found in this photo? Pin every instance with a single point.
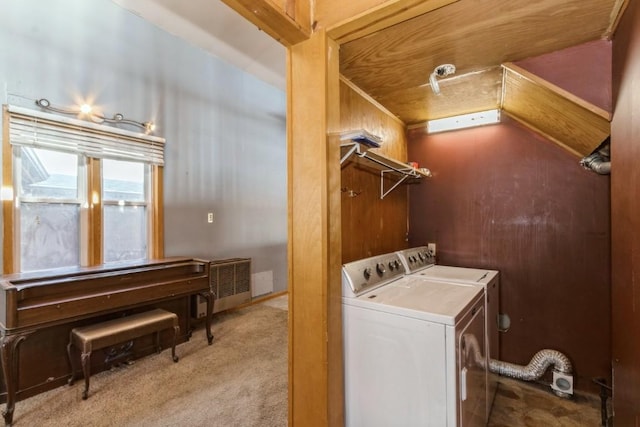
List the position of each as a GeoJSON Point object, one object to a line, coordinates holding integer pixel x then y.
{"type": "Point", "coordinates": [531, 372]}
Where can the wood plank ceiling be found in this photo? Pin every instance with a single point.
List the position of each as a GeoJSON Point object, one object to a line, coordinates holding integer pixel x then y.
{"type": "Point", "coordinates": [477, 36]}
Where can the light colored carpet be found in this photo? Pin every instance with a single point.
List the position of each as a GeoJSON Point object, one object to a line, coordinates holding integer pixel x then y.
{"type": "Point", "coordinates": [240, 380]}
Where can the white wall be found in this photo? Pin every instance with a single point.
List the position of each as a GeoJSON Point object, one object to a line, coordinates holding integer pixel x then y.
{"type": "Point", "coordinates": [225, 129]}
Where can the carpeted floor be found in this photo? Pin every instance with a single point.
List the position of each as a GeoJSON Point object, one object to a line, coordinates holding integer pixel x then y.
{"type": "Point", "coordinates": [240, 380]}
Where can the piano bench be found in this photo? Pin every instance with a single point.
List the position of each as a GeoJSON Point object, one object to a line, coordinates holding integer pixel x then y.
{"type": "Point", "coordinates": [112, 332]}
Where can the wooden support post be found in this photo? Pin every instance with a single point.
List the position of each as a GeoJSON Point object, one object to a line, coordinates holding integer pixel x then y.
{"type": "Point", "coordinates": [315, 323]}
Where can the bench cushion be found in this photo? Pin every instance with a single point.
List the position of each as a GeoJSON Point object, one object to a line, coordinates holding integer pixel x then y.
{"type": "Point", "coordinates": [112, 332]}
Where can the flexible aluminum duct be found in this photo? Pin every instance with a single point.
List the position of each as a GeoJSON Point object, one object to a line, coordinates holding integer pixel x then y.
{"type": "Point", "coordinates": [533, 371]}
{"type": "Point", "coordinates": [599, 162]}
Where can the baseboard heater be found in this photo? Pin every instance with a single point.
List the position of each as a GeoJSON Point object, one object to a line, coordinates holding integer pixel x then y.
{"type": "Point", "coordinates": [230, 281]}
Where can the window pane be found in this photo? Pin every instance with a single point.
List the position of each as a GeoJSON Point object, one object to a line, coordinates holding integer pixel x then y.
{"type": "Point", "coordinates": [125, 233]}
{"type": "Point", "coordinates": [48, 174]}
{"type": "Point", "coordinates": [49, 235]}
{"type": "Point", "coordinates": [123, 181]}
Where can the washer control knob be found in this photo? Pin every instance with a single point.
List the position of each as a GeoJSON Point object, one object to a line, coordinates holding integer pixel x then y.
{"type": "Point", "coordinates": [396, 263]}
{"type": "Point", "coordinates": [391, 265]}
{"type": "Point", "coordinates": [380, 268]}
{"type": "Point", "coordinates": [421, 256]}
{"type": "Point", "coordinates": [367, 273]}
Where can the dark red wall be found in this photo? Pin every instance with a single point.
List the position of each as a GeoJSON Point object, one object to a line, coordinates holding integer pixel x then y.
{"type": "Point", "coordinates": [625, 219]}
{"type": "Point", "coordinates": [502, 197]}
{"type": "Point", "coordinates": [583, 70]}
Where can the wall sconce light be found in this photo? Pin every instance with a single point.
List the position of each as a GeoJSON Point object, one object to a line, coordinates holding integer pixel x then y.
{"type": "Point", "coordinates": [86, 110]}
{"type": "Point", "coordinates": [439, 72]}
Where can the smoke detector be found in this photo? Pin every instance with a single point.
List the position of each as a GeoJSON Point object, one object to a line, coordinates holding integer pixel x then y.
{"type": "Point", "coordinates": [439, 72]}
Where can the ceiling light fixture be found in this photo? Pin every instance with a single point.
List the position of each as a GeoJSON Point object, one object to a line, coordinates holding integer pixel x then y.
{"type": "Point", "coordinates": [87, 110]}
{"type": "Point", "coordinates": [464, 121]}
{"type": "Point", "coordinates": [439, 72]}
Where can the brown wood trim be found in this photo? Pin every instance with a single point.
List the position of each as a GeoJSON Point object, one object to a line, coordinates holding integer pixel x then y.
{"type": "Point", "coordinates": [259, 300]}
{"type": "Point", "coordinates": [8, 259]}
{"type": "Point", "coordinates": [94, 220]}
{"type": "Point", "coordinates": [289, 233]}
{"type": "Point", "coordinates": [157, 221]}
{"type": "Point", "coordinates": [315, 328]}
{"type": "Point", "coordinates": [385, 15]}
{"type": "Point", "coordinates": [616, 14]}
{"type": "Point", "coordinates": [272, 19]}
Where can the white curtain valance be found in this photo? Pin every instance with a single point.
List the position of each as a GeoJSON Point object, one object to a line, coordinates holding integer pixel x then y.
{"type": "Point", "coordinates": [36, 129]}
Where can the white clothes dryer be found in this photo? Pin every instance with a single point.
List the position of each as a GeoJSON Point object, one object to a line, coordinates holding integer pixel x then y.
{"type": "Point", "coordinates": [406, 357]}
{"type": "Point", "coordinates": [420, 262]}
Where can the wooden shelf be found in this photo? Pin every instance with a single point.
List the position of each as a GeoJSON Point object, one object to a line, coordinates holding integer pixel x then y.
{"type": "Point", "coordinates": [355, 151]}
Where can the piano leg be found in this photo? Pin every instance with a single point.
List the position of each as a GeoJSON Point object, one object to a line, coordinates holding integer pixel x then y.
{"type": "Point", "coordinates": [9, 353]}
{"type": "Point", "coordinates": [210, 297]}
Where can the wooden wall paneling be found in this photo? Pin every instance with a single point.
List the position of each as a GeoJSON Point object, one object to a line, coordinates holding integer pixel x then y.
{"type": "Point", "coordinates": [576, 125]}
{"type": "Point", "coordinates": [272, 18]}
{"type": "Point", "coordinates": [371, 226]}
{"type": "Point", "coordinates": [625, 221]}
{"type": "Point", "coordinates": [315, 327]}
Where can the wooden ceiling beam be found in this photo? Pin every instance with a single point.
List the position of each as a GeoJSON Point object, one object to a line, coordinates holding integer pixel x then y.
{"type": "Point", "coordinates": [273, 19]}
{"type": "Point", "coordinates": [571, 122]}
{"type": "Point", "coordinates": [382, 16]}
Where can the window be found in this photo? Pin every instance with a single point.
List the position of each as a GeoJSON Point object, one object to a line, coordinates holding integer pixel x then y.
{"type": "Point", "coordinates": [78, 194]}
{"type": "Point", "coordinates": [124, 200]}
{"type": "Point", "coordinates": [48, 207]}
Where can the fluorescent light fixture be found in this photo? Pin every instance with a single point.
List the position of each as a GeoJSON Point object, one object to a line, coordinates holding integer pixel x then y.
{"type": "Point", "coordinates": [464, 121]}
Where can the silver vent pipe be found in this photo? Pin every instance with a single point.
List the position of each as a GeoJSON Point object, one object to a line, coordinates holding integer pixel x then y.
{"type": "Point", "coordinates": [599, 161]}
{"type": "Point", "coordinates": [562, 370]}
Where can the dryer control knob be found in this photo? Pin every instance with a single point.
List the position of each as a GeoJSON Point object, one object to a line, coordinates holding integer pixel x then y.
{"type": "Point", "coordinates": [380, 268]}
{"type": "Point", "coordinates": [367, 273]}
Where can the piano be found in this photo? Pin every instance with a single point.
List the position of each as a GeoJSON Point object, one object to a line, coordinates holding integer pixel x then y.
{"type": "Point", "coordinates": [48, 304]}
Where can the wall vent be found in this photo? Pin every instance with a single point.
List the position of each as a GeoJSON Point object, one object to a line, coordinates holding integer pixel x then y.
{"type": "Point", "coordinates": [230, 281]}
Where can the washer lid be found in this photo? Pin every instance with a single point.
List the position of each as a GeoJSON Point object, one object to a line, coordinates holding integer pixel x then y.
{"type": "Point", "coordinates": [423, 299]}
{"type": "Point", "coordinates": [457, 274]}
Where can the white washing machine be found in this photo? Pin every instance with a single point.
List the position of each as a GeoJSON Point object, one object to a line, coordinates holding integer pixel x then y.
{"type": "Point", "coordinates": [406, 358]}
{"type": "Point", "coordinates": [420, 262]}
